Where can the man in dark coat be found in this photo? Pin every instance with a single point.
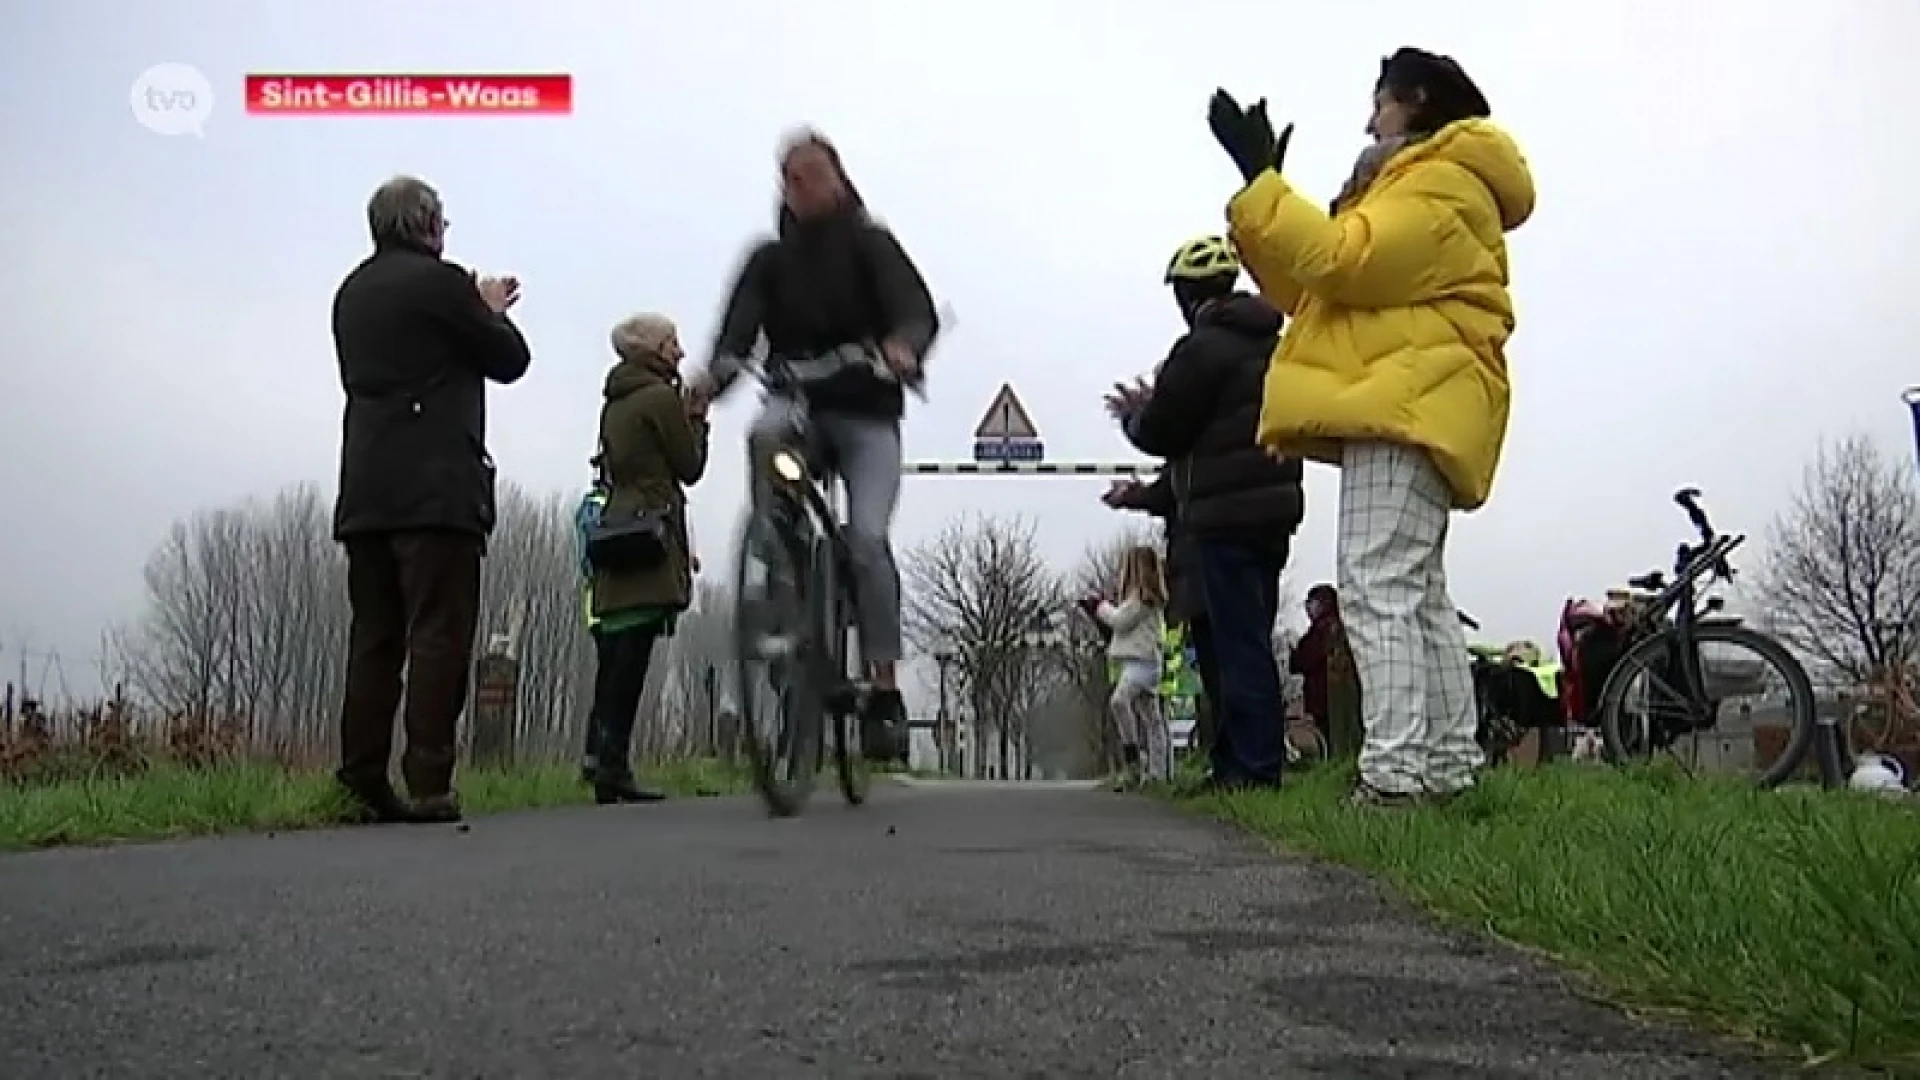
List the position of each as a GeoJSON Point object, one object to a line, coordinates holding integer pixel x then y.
{"type": "Point", "coordinates": [417, 340]}
{"type": "Point", "coordinates": [1238, 506]}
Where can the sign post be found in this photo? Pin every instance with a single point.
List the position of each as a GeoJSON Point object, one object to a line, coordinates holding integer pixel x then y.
{"type": "Point", "coordinates": [1007, 433]}
{"type": "Point", "coordinates": [1911, 395]}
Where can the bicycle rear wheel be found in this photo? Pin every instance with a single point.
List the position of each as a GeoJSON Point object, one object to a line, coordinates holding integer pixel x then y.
{"type": "Point", "coordinates": [775, 646]}
{"type": "Point", "coordinates": [1759, 715]}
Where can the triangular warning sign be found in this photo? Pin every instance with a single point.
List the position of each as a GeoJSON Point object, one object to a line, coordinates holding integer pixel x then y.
{"type": "Point", "coordinates": [1006, 418]}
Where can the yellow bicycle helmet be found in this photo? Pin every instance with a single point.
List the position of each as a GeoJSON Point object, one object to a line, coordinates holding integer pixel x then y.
{"type": "Point", "coordinates": [1201, 258]}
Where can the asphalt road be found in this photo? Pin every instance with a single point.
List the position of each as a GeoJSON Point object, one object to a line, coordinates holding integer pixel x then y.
{"type": "Point", "coordinates": [949, 932]}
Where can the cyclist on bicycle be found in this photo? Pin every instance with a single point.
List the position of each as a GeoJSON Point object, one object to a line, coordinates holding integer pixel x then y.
{"type": "Point", "coordinates": [839, 301]}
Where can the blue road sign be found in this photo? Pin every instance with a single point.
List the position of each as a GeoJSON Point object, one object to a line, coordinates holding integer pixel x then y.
{"type": "Point", "coordinates": [1008, 450]}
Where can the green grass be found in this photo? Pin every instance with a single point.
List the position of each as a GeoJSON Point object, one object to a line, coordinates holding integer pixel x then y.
{"type": "Point", "coordinates": [1792, 917]}
{"type": "Point", "coordinates": [170, 801]}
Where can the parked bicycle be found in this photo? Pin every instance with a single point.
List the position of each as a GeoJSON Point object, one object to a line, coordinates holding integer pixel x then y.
{"type": "Point", "coordinates": [1660, 690]}
{"type": "Point", "coordinates": [794, 620]}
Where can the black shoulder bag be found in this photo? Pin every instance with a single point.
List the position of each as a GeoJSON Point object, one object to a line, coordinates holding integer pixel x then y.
{"type": "Point", "coordinates": [628, 542]}
{"type": "Point", "coordinates": [636, 541]}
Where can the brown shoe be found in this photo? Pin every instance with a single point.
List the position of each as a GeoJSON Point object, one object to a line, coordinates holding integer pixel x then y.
{"type": "Point", "coordinates": [609, 790]}
{"type": "Point", "coordinates": [437, 809]}
{"type": "Point", "coordinates": [375, 804]}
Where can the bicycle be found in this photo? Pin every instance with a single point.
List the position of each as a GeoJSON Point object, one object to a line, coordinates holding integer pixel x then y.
{"type": "Point", "coordinates": [795, 598]}
{"type": "Point", "coordinates": [1667, 624]}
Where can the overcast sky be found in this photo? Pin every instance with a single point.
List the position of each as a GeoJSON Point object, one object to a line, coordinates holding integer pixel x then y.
{"type": "Point", "coordinates": [1720, 271]}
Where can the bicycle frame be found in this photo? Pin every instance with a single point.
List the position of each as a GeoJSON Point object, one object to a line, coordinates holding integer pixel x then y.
{"type": "Point", "coordinates": [789, 472]}
{"type": "Point", "coordinates": [1678, 606]}
{"type": "Point", "coordinates": [789, 468]}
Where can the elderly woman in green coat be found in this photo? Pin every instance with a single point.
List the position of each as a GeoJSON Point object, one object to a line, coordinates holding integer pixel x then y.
{"type": "Point", "coordinates": [652, 449]}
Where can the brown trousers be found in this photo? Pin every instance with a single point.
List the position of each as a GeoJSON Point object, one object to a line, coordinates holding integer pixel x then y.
{"type": "Point", "coordinates": [415, 598]}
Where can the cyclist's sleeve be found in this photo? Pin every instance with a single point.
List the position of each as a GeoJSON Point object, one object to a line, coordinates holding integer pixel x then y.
{"type": "Point", "coordinates": [740, 323]}
{"type": "Point", "coordinates": [904, 294]}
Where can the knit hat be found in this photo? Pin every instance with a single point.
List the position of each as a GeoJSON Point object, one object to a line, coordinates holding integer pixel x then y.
{"type": "Point", "coordinates": [642, 337]}
{"type": "Point", "coordinates": [1449, 91]}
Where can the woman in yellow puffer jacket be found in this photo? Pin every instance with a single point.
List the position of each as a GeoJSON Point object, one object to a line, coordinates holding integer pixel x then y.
{"type": "Point", "coordinates": [1393, 367]}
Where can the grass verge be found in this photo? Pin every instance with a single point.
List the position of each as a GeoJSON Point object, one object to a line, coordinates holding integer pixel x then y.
{"type": "Point", "coordinates": [1792, 916]}
{"type": "Point", "coordinates": [171, 800]}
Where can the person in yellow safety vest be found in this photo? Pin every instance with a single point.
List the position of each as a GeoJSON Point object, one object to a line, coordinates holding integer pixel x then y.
{"type": "Point", "coordinates": [1173, 667]}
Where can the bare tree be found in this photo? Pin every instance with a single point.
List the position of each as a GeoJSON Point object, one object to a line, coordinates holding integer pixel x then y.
{"type": "Point", "coordinates": [980, 589]}
{"type": "Point", "coordinates": [246, 617]}
{"type": "Point", "coordinates": [1841, 581]}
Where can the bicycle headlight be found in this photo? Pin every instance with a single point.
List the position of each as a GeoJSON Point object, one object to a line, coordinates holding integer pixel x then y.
{"type": "Point", "coordinates": [788, 466]}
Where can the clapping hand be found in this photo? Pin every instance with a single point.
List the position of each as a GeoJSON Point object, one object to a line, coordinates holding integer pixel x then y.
{"type": "Point", "coordinates": [1124, 400]}
{"type": "Point", "coordinates": [698, 395]}
{"type": "Point", "coordinates": [900, 359]}
{"type": "Point", "coordinates": [500, 293]}
{"type": "Point", "coordinates": [1121, 492]}
{"type": "Point", "coordinates": [1247, 135]}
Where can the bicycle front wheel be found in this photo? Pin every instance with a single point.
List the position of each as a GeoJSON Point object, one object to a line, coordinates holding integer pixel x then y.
{"type": "Point", "coordinates": [836, 615]}
{"type": "Point", "coordinates": [1753, 713]}
{"type": "Point", "coordinates": [780, 702]}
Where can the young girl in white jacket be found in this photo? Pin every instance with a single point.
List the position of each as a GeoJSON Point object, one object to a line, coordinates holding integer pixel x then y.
{"type": "Point", "coordinates": [1137, 624]}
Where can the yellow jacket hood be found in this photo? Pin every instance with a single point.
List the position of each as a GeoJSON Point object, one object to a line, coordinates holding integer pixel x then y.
{"type": "Point", "coordinates": [1490, 154]}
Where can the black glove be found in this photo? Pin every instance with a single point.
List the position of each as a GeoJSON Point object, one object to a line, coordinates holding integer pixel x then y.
{"type": "Point", "coordinates": [1247, 135]}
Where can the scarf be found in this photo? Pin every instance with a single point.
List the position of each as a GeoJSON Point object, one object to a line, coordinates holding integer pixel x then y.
{"type": "Point", "coordinates": [1366, 167]}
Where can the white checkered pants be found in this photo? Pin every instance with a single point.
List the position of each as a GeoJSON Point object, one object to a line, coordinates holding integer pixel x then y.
{"type": "Point", "coordinates": [1416, 689]}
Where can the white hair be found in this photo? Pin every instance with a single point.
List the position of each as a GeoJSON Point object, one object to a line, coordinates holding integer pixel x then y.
{"type": "Point", "coordinates": [639, 337]}
{"type": "Point", "coordinates": [405, 212]}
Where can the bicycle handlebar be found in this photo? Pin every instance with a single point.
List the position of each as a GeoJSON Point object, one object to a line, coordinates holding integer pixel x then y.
{"type": "Point", "coordinates": [758, 372]}
{"type": "Point", "coordinates": [1712, 544]}
{"type": "Point", "coordinates": [1689, 500]}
